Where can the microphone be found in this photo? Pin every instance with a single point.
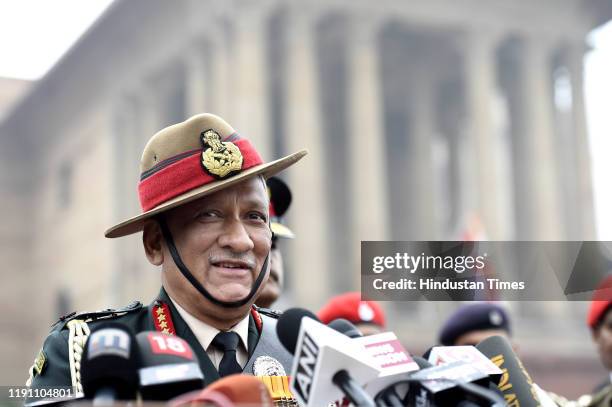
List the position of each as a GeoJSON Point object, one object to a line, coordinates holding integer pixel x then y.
{"type": "Point", "coordinates": [288, 331]}
{"type": "Point", "coordinates": [233, 390]}
{"type": "Point", "coordinates": [515, 383]}
{"type": "Point", "coordinates": [421, 362]}
{"type": "Point", "coordinates": [394, 365]}
{"type": "Point", "coordinates": [393, 361]}
{"type": "Point", "coordinates": [168, 366]}
{"type": "Point", "coordinates": [323, 359]}
{"type": "Point", "coordinates": [440, 355]}
{"type": "Point", "coordinates": [445, 384]}
{"type": "Point", "coordinates": [108, 365]}
{"type": "Point", "coordinates": [345, 327]}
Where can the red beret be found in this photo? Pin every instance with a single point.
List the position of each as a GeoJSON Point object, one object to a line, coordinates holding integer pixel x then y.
{"type": "Point", "coordinates": [350, 306]}
{"type": "Point", "coordinates": [602, 300]}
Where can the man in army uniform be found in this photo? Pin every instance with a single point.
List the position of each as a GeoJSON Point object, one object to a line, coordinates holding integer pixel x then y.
{"type": "Point", "coordinates": [599, 320]}
{"type": "Point", "coordinates": [280, 200]}
{"type": "Point", "coordinates": [205, 221]}
{"type": "Point", "coordinates": [471, 324]}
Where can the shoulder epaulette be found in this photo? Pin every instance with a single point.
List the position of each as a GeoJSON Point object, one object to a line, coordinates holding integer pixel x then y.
{"type": "Point", "coordinates": [90, 316]}
{"type": "Point", "coordinates": [269, 312]}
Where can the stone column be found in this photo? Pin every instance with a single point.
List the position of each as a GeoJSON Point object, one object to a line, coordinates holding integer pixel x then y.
{"type": "Point", "coordinates": [480, 84]}
{"type": "Point", "coordinates": [541, 192]}
{"type": "Point", "coordinates": [419, 163]}
{"type": "Point", "coordinates": [366, 138]}
{"type": "Point", "coordinates": [126, 147]}
{"type": "Point", "coordinates": [309, 215]}
{"type": "Point", "coordinates": [195, 80]}
{"type": "Point", "coordinates": [145, 122]}
{"type": "Point", "coordinates": [146, 114]}
{"type": "Point", "coordinates": [251, 99]}
{"type": "Point", "coordinates": [586, 208]}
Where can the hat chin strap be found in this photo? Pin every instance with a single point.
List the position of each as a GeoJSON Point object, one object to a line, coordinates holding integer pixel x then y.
{"type": "Point", "coordinates": [196, 284]}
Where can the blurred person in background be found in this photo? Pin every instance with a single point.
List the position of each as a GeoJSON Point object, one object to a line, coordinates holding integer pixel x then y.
{"type": "Point", "coordinates": [599, 320]}
{"type": "Point", "coordinates": [367, 316]}
{"type": "Point", "coordinates": [470, 324]}
{"type": "Point", "coordinates": [280, 200]}
{"type": "Point", "coordinates": [473, 323]}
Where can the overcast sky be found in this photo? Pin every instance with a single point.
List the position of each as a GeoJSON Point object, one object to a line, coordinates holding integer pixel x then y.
{"type": "Point", "coordinates": [34, 34]}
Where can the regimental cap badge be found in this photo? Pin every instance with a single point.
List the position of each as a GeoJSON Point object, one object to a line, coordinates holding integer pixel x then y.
{"type": "Point", "coordinates": [496, 318]}
{"type": "Point", "coordinates": [219, 158]}
{"type": "Point", "coordinates": [366, 313]}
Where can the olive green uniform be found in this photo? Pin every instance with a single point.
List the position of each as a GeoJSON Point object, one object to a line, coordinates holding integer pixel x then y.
{"type": "Point", "coordinates": [53, 365]}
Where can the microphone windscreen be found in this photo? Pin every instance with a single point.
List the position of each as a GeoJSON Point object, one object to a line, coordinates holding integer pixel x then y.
{"type": "Point", "coordinates": [109, 361]}
{"type": "Point", "coordinates": [288, 326]}
{"type": "Point", "coordinates": [515, 383]}
{"type": "Point", "coordinates": [236, 389]}
{"type": "Point", "coordinates": [345, 327]}
{"type": "Point", "coordinates": [168, 366]}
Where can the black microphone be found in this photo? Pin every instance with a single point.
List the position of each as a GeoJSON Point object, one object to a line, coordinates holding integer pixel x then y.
{"type": "Point", "coordinates": [515, 383]}
{"type": "Point", "coordinates": [345, 327]}
{"type": "Point", "coordinates": [422, 362]}
{"type": "Point", "coordinates": [288, 326]}
{"type": "Point", "coordinates": [427, 353]}
{"type": "Point", "coordinates": [168, 367]}
{"type": "Point", "coordinates": [108, 365]}
{"type": "Point", "coordinates": [417, 396]}
{"type": "Point", "coordinates": [476, 390]}
{"type": "Point", "coordinates": [444, 385]}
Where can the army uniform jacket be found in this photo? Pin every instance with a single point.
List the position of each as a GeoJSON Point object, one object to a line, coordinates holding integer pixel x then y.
{"type": "Point", "coordinates": [58, 362]}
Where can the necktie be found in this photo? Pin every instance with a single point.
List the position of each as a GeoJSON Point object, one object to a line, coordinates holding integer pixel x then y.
{"type": "Point", "coordinates": [228, 343]}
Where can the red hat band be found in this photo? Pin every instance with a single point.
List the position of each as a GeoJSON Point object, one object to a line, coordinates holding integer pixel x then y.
{"type": "Point", "coordinates": [184, 172]}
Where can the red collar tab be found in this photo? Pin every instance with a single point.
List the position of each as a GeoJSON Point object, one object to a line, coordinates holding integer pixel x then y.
{"type": "Point", "coordinates": [162, 318]}
{"type": "Point", "coordinates": [257, 319]}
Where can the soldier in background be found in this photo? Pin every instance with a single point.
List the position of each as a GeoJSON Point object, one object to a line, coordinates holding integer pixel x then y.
{"type": "Point", "coordinates": [470, 324]}
{"type": "Point", "coordinates": [599, 320]}
{"type": "Point", "coordinates": [280, 200]}
{"type": "Point", "coordinates": [367, 316]}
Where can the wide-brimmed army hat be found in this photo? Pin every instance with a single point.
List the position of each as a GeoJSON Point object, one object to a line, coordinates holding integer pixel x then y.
{"type": "Point", "coordinates": [190, 160]}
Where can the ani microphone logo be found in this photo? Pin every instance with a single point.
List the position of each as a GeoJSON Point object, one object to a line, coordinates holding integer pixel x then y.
{"type": "Point", "coordinates": [307, 360]}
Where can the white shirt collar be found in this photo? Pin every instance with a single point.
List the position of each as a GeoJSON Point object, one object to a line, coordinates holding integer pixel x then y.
{"type": "Point", "coordinates": [206, 333]}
